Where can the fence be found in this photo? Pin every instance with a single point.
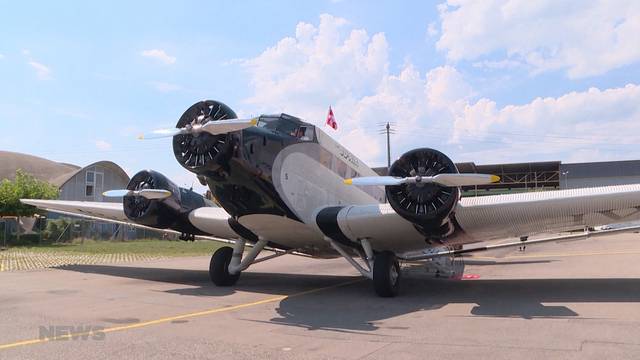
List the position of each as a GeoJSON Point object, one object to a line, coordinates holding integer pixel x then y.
{"type": "Point", "coordinates": [67, 229]}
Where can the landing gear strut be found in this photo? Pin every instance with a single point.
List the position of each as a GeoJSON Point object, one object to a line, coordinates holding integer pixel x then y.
{"type": "Point", "coordinates": [383, 267]}
{"type": "Point", "coordinates": [227, 263]}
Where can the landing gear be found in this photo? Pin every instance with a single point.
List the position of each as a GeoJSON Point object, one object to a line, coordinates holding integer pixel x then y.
{"type": "Point", "coordinates": [383, 267]}
{"type": "Point", "coordinates": [227, 263]}
{"type": "Point", "coordinates": [219, 267]}
{"type": "Point", "coordinates": [386, 274]}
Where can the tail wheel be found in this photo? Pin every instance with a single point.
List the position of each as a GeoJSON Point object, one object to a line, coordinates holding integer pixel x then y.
{"type": "Point", "coordinates": [386, 274]}
{"type": "Point", "coordinates": [219, 267]}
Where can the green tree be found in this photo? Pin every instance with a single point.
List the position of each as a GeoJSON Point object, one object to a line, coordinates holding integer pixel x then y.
{"type": "Point", "coordinates": [24, 186]}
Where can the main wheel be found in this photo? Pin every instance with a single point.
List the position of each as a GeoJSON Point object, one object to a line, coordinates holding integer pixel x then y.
{"type": "Point", "coordinates": [386, 274]}
{"type": "Point", "coordinates": [219, 267]}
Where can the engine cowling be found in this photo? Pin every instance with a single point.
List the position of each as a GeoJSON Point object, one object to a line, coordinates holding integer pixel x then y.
{"type": "Point", "coordinates": [427, 205]}
{"type": "Point", "coordinates": [202, 152]}
{"type": "Point", "coordinates": [171, 212]}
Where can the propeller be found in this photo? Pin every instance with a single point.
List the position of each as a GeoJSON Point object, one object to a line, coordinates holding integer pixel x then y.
{"type": "Point", "coordinates": [150, 194]}
{"type": "Point", "coordinates": [449, 180]}
{"type": "Point", "coordinates": [212, 127]}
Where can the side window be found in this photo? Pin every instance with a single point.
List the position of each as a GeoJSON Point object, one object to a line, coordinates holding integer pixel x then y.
{"type": "Point", "coordinates": [90, 178]}
{"type": "Point", "coordinates": [325, 158]}
{"type": "Point", "coordinates": [304, 133]}
{"type": "Point", "coordinates": [341, 168]}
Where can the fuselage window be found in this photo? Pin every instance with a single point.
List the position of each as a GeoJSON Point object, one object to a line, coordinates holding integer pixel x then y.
{"type": "Point", "coordinates": [325, 158]}
{"type": "Point", "coordinates": [341, 168]}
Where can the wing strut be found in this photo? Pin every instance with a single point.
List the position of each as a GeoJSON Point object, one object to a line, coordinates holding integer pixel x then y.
{"type": "Point", "coordinates": [430, 254]}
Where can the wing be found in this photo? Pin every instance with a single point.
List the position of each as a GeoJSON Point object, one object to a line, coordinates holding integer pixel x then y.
{"type": "Point", "coordinates": [210, 220]}
{"type": "Point", "coordinates": [497, 217]}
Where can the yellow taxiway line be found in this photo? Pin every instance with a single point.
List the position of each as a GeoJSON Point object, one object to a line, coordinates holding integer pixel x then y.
{"type": "Point", "coordinates": [173, 318]}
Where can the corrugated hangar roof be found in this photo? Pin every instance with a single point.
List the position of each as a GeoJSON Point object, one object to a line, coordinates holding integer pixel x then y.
{"type": "Point", "coordinates": [42, 169]}
{"type": "Point", "coordinates": [50, 171]}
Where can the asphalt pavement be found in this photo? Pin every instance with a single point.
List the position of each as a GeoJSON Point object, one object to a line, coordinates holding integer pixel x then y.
{"type": "Point", "coordinates": [570, 300]}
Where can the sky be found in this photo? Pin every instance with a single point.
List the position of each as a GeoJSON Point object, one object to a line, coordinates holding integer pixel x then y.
{"type": "Point", "coordinates": [484, 81]}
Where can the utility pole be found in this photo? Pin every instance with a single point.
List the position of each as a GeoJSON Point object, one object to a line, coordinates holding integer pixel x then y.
{"type": "Point", "coordinates": [387, 129]}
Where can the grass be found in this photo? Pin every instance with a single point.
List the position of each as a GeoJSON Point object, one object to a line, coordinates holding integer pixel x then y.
{"type": "Point", "coordinates": [142, 247]}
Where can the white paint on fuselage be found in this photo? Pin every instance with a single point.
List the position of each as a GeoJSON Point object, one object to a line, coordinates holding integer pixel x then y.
{"type": "Point", "coordinates": [306, 185]}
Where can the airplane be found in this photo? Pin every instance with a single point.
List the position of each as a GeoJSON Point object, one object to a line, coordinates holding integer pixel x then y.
{"type": "Point", "coordinates": [285, 185]}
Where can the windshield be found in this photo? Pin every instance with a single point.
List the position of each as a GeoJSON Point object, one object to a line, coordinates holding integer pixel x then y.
{"type": "Point", "coordinates": [286, 127]}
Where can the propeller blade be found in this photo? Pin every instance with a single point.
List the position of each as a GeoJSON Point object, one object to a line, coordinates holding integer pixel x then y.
{"type": "Point", "coordinates": [162, 133]}
{"type": "Point", "coordinates": [375, 181]}
{"type": "Point", "coordinates": [212, 127]}
{"type": "Point", "coordinates": [151, 194]}
{"type": "Point", "coordinates": [449, 180]}
{"type": "Point", "coordinates": [455, 180]}
{"type": "Point", "coordinates": [117, 193]}
{"type": "Point", "coordinates": [226, 126]}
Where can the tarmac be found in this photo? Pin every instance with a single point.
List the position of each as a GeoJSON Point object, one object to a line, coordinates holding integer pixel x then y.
{"type": "Point", "coordinates": [569, 300]}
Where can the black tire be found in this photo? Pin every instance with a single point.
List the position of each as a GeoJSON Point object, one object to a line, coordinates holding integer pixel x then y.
{"type": "Point", "coordinates": [386, 274]}
{"type": "Point", "coordinates": [219, 267]}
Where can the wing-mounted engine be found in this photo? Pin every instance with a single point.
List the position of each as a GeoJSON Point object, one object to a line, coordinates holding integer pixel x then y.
{"type": "Point", "coordinates": [423, 186]}
{"type": "Point", "coordinates": [202, 152]}
{"type": "Point", "coordinates": [427, 204]}
{"type": "Point", "coordinates": [171, 210]}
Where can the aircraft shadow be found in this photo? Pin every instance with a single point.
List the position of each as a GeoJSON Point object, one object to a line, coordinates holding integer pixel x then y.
{"type": "Point", "coordinates": [199, 283]}
{"type": "Point", "coordinates": [356, 308]}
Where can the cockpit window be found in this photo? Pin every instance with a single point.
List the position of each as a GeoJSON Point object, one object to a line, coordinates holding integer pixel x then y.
{"type": "Point", "coordinates": [286, 127]}
{"type": "Point", "coordinates": [304, 133]}
{"type": "Point", "coordinates": [268, 122]}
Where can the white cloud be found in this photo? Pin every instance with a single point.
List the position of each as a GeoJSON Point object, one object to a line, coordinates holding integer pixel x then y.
{"type": "Point", "coordinates": [432, 29]}
{"type": "Point", "coordinates": [42, 71]}
{"type": "Point", "coordinates": [330, 64]}
{"type": "Point", "coordinates": [159, 55]}
{"type": "Point", "coordinates": [1, 56]}
{"type": "Point", "coordinates": [320, 66]}
{"type": "Point", "coordinates": [103, 145]}
{"type": "Point", "coordinates": [585, 38]}
{"type": "Point", "coordinates": [165, 87]}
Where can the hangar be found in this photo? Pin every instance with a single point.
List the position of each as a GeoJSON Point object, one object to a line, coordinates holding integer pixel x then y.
{"type": "Point", "coordinates": [548, 175]}
{"type": "Point", "coordinates": [75, 183]}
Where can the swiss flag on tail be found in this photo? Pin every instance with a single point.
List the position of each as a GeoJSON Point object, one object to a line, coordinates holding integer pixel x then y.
{"type": "Point", "coordinates": [331, 120]}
